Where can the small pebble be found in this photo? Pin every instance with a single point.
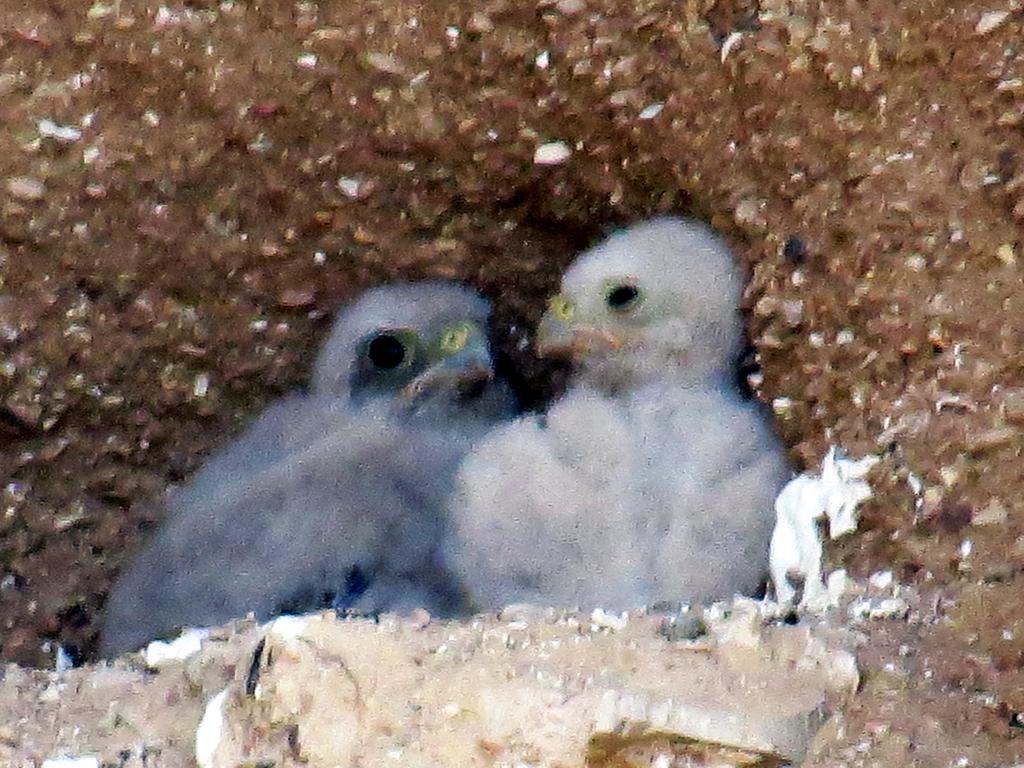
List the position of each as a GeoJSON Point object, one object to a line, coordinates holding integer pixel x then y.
{"type": "Point", "coordinates": [782, 405]}
{"type": "Point", "coordinates": [350, 186]}
{"type": "Point", "coordinates": [990, 21]}
{"type": "Point", "coordinates": [570, 7]}
{"type": "Point", "coordinates": [552, 153]}
{"type": "Point", "coordinates": [63, 133]}
{"type": "Point", "coordinates": [297, 297]}
{"type": "Point", "coordinates": [1013, 406]}
{"type": "Point", "coordinates": [687, 626]}
{"type": "Point", "coordinates": [651, 111]}
{"type": "Point", "coordinates": [480, 23]}
{"type": "Point", "coordinates": [991, 438]}
{"type": "Point", "coordinates": [993, 513]}
{"type": "Point", "coordinates": [385, 62]}
{"type": "Point", "coordinates": [26, 188]}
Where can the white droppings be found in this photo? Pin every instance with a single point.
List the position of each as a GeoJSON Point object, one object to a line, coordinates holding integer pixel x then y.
{"type": "Point", "coordinates": [878, 608]}
{"type": "Point", "coordinates": [552, 153]}
{"type": "Point", "coordinates": [159, 653]}
{"type": "Point", "coordinates": [210, 730]}
{"type": "Point", "coordinates": [306, 61]}
{"type": "Point", "coordinates": [542, 60]}
{"type": "Point", "coordinates": [796, 546]}
{"type": "Point", "coordinates": [606, 620]}
{"type": "Point", "coordinates": [966, 547]}
{"type": "Point", "coordinates": [651, 111]}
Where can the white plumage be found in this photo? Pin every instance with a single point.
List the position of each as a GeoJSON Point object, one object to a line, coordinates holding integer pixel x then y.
{"type": "Point", "coordinates": [651, 479]}
{"type": "Point", "coordinates": [335, 492]}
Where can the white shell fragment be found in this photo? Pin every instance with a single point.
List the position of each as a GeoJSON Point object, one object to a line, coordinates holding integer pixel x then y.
{"type": "Point", "coordinates": [160, 652]}
{"type": "Point", "coordinates": [65, 133]}
{"type": "Point", "coordinates": [72, 762]}
{"type": "Point", "coordinates": [651, 111]}
{"type": "Point", "coordinates": [350, 186]}
{"type": "Point", "coordinates": [734, 39]}
{"type": "Point", "coordinates": [210, 730]}
{"type": "Point", "coordinates": [552, 153]}
{"type": "Point", "coordinates": [796, 546]}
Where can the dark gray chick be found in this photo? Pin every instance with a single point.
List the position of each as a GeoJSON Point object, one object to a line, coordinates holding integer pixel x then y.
{"type": "Point", "coordinates": [651, 479]}
{"type": "Point", "coordinates": [337, 492]}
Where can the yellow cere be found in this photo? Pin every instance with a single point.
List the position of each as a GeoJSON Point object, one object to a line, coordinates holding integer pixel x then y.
{"type": "Point", "coordinates": [454, 338]}
{"type": "Point", "coordinates": [561, 307]}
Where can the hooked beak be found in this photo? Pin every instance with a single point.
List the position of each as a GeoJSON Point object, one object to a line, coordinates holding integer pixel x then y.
{"type": "Point", "coordinates": [557, 338]}
{"type": "Point", "coordinates": [461, 371]}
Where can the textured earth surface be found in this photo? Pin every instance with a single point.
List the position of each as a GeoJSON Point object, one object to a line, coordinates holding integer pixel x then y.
{"type": "Point", "coordinates": [531, 687]}
{"type": "Point", "coordinates": [187, 192]}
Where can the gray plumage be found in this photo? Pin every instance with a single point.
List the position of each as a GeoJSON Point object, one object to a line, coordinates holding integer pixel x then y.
{"type": "Point", "coordinates": [651, 479]}
{"type": "Point", "coordinates": [348, 480]}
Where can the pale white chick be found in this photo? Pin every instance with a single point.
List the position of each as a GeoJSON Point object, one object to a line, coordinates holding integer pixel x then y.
{"type": "Point", "coordinates": [333, 497]}
{"type": "Point", "coordinates": [652, 479]}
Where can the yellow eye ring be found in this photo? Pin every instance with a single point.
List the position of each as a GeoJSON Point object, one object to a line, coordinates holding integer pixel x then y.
{"type": "Point", "coordinates": [561, 307]}
{"type": "Point", "coordinates": [454, 338]}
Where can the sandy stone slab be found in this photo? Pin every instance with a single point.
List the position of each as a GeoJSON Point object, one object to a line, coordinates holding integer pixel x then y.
{"type": "Point", "coordinates": [551, 690]}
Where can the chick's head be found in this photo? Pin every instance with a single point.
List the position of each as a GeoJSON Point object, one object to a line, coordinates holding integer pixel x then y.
{"type": "Point", "coordinates": [657, 299]}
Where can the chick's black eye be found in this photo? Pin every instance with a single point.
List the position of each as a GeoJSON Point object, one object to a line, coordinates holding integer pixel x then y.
{"type": "Point", "coordinates": [622, 297]}
{"type": "Point", "coordinates": [385, 351]}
